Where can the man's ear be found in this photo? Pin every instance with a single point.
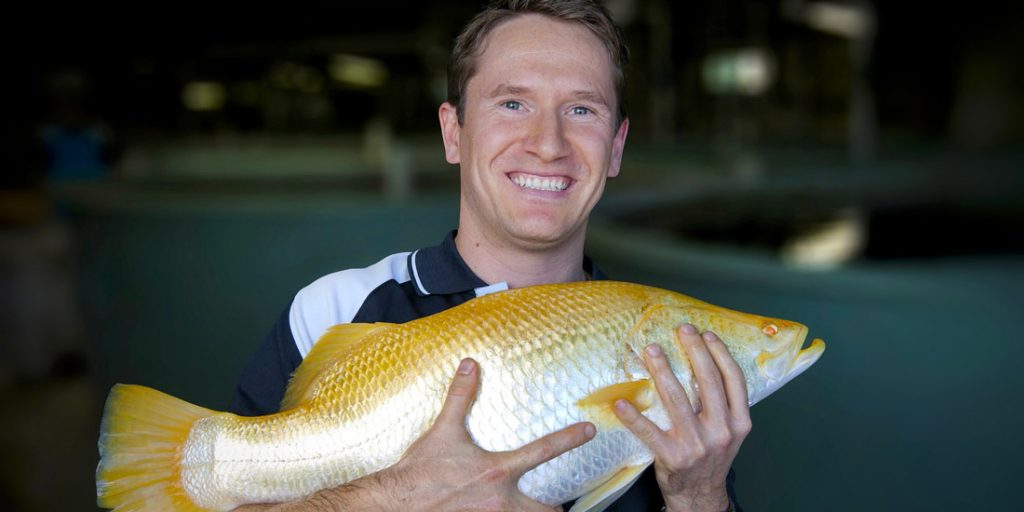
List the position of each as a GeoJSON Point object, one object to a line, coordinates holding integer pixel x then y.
{"type": "Point", "coordinates": [618, 145]}
{"type": "Point", "coordinates": [449, 131]}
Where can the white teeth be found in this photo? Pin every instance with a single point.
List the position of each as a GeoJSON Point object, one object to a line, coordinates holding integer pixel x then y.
{"type": "Point", "coordinates": [536, 183]}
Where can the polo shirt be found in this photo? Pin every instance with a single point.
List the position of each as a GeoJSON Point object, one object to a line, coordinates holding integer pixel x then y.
{"type": "Point", "coordinates": [399, 288]}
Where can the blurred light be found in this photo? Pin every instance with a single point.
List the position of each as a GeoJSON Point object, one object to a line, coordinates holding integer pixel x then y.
{"type": "Point", "coordinates": [745, 71]}
{"type": "Point", "coordinates": [290, 75]}
{"type": "Point", "coordinates": [358, 71]}
{"type": "Point", "coordinates": [842, 20]}
{"type": "Point", "coordinates": [203, 96]}
{"type": "Point", "coordinates": [830, 244]}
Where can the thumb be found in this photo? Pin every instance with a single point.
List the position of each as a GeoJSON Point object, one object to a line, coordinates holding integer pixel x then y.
{"type": "Point", "coordinates": [461, 394]}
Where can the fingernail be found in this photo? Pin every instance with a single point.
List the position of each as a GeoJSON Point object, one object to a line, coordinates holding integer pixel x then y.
{"type": "Point", "coordinates": [589, 430]}
{"type": "Point", "coordinates": [710, 336]}
{"type": "Point", "coordinates": [653, 350]}
{"type": "Point", "coordinates": [689, 329]}
{"type": "Point", "coordinates": [622, 405]}
{"type": "Point", "coordinates": [466, 367]}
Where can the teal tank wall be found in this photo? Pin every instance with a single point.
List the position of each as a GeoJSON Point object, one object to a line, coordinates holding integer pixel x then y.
{"type": "Point", "coordinates": [180, 291]}
{"type": "Point", "coordinates": [914, 404]}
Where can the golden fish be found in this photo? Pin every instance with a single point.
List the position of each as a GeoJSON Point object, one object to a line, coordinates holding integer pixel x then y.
{"type": "Point", "coordinates": [549, 356]}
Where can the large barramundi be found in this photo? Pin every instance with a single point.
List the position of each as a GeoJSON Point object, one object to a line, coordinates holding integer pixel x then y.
{"type": "Point", "coordinates": [549, 356]}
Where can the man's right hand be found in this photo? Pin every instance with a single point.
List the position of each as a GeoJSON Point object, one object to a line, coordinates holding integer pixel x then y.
{"type": "Point", "coordinates": [445, 470]}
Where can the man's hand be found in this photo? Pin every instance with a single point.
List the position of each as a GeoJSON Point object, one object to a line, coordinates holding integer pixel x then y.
{"type": "Point", "coordinates": [445, 470]}
{"type": "Point", "coordinates": [692, 459]}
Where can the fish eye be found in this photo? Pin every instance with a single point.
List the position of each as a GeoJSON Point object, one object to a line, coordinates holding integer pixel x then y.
{"type": "Point", "coordinates": [770, 330]}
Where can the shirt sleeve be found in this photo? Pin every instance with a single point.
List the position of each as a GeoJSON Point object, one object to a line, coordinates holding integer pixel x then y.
{"type": "Point", "coordinates": [265, 377]}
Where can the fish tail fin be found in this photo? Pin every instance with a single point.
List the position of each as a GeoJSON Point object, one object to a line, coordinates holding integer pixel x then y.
{"type": "Point", "coordinates": [140, 441]}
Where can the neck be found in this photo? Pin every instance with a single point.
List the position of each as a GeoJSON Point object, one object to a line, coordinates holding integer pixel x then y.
{"type": "Point", "coordinates": [494, 261]}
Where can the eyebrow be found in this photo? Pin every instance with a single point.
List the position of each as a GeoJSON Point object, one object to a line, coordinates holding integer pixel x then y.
{"type": "Point", "coordinates": [590, 96]}
{"type": "Point", "coordinates": [517, 90]}
{"type": "Point", "coordinates": [507, 89]}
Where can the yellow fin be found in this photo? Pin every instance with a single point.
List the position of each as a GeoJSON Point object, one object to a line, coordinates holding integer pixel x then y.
{"type": "Point", "coordinates": [599, 404]}
{"type": "Point", "coordinates": [332, 346]}
{"type": "Point", "coordinates": [613, 488]}
{"type": "Point", "coordinates": [140, 437]}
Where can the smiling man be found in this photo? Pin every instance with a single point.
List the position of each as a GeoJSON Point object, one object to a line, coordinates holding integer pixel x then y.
{"type": "Point", "coordinates": [535, 120]}
{"type": "Point", "coordinates": [536, 132]}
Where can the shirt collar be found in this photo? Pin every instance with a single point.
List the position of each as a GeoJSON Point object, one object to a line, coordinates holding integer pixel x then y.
{"type": "Point", "coordinates": [440, 270]}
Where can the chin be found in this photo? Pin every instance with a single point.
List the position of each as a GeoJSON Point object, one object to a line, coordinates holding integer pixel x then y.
{"type": "Point", "coordinates": [542, 237]}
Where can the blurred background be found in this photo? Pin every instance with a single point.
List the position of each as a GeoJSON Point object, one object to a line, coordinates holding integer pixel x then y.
{"type": "Point", "coordinates": [176, 172]}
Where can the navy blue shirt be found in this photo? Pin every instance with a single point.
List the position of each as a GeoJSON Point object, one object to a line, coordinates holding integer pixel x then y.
{"type": "Point", "coordinates": [397, 289]}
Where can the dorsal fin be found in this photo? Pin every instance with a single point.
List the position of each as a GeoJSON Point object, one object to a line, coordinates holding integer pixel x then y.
{"type": "Point", "coordinates": [334, 345]}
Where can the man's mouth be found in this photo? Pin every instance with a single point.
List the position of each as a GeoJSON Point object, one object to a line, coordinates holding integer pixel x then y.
{"type": "Point", "coordinates": [546, 183]}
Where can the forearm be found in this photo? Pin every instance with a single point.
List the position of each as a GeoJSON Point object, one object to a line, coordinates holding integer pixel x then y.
{"type": "Point", "coordinates": [363, 494]}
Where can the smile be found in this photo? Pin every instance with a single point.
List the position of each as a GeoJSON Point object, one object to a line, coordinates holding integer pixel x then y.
{"type": "Point", "coordinates": [547, 183]}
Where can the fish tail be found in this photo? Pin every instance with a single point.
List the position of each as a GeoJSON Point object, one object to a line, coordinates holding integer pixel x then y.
{"type": "Point", "coordinates": [141, 437]}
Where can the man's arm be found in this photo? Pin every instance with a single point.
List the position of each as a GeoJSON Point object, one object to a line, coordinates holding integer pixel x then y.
{"type": "Point", "coordinates": [692, 459]}
{"type": "Point", "coordinates": [445, 470]}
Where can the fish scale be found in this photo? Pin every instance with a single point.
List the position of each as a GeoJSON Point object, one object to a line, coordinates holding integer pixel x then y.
{"type": "Point", "coordinates": [549, 356]}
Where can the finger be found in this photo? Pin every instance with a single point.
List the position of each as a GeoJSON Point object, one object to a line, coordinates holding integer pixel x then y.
{"type": "Point", "coordinates": [549, 447]}
{"type": "Point", "coordinates": [705, 371]}
{"type": "Point", "coordinates": [461, 393]}
{"type": "Point", "coordinates": [732, 375]}
{"type": "Point", "coordinates": [643, 428]}
{"type": "Point", "coordinates": [672, 393]}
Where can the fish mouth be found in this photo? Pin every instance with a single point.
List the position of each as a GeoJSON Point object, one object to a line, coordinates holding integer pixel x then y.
{"type": "Point", "coordinates": [785, 365]}
{"type": "Point", "coordinates": [805, 358]}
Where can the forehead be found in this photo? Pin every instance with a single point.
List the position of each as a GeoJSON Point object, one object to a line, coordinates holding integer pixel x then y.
{"type": "Point", "coordinates": [536, 47]}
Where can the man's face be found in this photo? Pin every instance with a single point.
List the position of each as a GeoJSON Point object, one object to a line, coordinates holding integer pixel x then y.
{"type": "Point", "coordinates": [539, 134]}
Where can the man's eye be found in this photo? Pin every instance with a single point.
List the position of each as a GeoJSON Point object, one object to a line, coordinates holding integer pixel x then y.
{"type": "Point", "coordinates": [512, 105]}
{"type": "Point", "coordinates": [581, 111]}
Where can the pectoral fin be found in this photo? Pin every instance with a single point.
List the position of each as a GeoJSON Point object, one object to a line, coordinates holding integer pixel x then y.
{"type": "Point", "coordinates": [606, 494]}
{"type": "Point", "coordinates": [598, 405]}
{"type": "Point", "coordinates": [332, 346]}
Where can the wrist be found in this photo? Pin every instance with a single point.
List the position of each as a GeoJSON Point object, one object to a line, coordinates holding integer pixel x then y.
{"type": "Point", "coordinates": [709, 502]}
{"type": "Point", "coordinates": [729, 507]}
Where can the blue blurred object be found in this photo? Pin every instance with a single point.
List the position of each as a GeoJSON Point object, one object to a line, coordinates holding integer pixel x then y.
{"type": "Point", "coordinates": [75, 153]}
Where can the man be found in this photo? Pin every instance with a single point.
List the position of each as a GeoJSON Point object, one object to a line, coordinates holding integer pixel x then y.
{"type": "Point", "coordinates": [535, 120]}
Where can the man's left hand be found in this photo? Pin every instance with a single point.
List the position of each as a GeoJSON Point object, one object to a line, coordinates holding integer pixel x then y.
{"type": "Point", "coordinates": [692, 459]}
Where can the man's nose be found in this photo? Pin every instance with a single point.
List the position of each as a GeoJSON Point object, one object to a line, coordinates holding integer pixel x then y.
{"type": "Point", "coordinates": [546, 137]}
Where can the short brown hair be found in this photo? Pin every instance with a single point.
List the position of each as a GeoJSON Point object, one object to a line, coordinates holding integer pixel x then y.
{"type": "Point", "coordinates": [588, 13]}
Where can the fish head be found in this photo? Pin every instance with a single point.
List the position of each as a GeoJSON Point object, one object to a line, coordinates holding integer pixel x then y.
{"type": "Point", "coordinates": [770, 351]}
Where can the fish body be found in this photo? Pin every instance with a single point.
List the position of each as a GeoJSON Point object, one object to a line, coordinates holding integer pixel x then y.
{"type": "Point", "coordinates": [549, 356]}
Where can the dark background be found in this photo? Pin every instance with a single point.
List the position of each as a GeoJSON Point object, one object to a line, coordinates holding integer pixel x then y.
{"type": "Point", "coordinates": [132, 61]}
